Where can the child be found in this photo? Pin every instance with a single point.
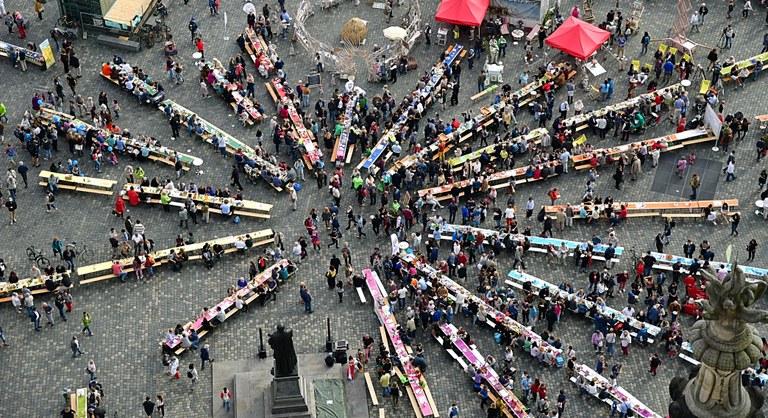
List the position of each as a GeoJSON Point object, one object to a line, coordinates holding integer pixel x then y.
{"type": "Point", "coordinates": [116, 108]}
{"type": "Point", "coordinates": [692, 158]}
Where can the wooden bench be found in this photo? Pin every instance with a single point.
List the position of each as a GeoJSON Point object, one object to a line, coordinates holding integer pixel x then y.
{"type": "Point", "coordinates": [272, 92]}
{"type": "Point", "coordinates": [44, 183]}
{"type": "Point", "coordinates": [361, 295]}
{"type": "Point", "coordinates": [371, 389]}
{"type": "Point", "coordinates": [166, 161]}
{"type": "Point", "coordinates": [642, 214]}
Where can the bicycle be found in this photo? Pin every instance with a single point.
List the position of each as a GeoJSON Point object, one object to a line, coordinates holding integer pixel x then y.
{"type": "Point", "coordinates": [147, 37]}
{"type": "Point", "coordinates": [37, 256]}
{"type": "Point", "coordinates": [86, 254]}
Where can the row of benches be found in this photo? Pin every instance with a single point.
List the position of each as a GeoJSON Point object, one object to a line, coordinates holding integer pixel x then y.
{"type": "Point", "coordinates": [261, 237]}
{"type": "Point", "coordinates": [230, 309]}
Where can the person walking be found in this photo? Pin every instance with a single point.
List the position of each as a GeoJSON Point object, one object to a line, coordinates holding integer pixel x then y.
{"type": "Point", "coordinates": [160, 404]}
{"type": "Point", "coordinates": [340, 290]}
{"type": "Point", "coordinates": [205, 356]}
{"type": "Point", "coordinates": [746, 9]}
{"type": "Point", "coordinates": [35, 316]}
{"type": "Point", "coordinates": [735, 219]}
{"type": "Point", "coordinates": [3, 340]}
{"type": "Point", "coordinates": [695, 184]}
{"type": "Point", "coordinates": [394, 392]}
{"type": "Point", "coordinates": [74, 345]}
{"type": "Point", "coordinates": [655, 362]}
{"type": "Point", "coordinates": [192, 376]}
{"type": "Point", "coordinates": [87, 319]}
{"type": "Point", "coordinates": [91, 370]}
{"type": "Point", "coordinates": [306, 297]}
{"type": "Point", "coordinates": [149, 407]}
{"type": "Point", "coordinates": [751, 249]}
{"type": "Point", "coordinates": [730, 169]}
{"type": "Point", "coordinates": [12, 206]}
{"type": "Point", "coordinates": [49, 199]}
{"type": "Point", "coordinates": [48, 311]}
{"type": "Point", "coordinates": [294, 196]}
{"type": "Point", "coordinates": [226, 398]}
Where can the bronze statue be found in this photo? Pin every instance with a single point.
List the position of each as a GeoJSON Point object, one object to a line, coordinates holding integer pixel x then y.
{"type": "Point", "coordinates": [285, 356]}
{"type": "Point", "coordinates": [725, 344]}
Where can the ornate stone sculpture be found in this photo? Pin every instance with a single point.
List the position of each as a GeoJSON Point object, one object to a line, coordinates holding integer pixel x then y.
{"type": "Point", "coordinates": [725, 344]}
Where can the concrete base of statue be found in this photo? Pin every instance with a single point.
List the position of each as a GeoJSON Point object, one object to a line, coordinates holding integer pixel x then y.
{"type": "Point", "coordinates": [287, 397]}
{"type": "Point", "coordinates": [252, 385]}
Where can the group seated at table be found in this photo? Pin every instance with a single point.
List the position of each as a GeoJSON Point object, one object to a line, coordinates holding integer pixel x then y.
{"type": "Point", "coordinates": [48, 280]}
{"type": "Point", "coordinates": [229, 84]}
{"type": "Point", "coordinates": [133, 79]}
{"type": "Point", "coordinates": [261, 286]}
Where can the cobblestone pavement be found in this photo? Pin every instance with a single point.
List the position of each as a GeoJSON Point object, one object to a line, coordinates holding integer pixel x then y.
{"type": "Point", "coordinates": [129, 319]}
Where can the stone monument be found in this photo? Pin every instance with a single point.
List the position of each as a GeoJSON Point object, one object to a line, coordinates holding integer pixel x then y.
{"type": "Point", "coordinates": [287, 399]}
{"type": "Point", "coordinates": [725, 344]}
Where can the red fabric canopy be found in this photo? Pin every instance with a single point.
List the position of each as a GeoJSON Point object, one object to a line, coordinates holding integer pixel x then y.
{"type": "Point", "coordinates": [577, 38]}
{"type": "Point", "coordinates": [462, 12]}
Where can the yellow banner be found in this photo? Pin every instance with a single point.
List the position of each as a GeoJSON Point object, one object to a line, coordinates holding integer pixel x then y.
{"type": "Point", "coordinates": [662, 48]}
{"type": "Point", "coordinates": [687, 57]}
{"type": "Point", "coordinates": [580, 140]}
{"type": "Point", "coordinates": [673, 50]}
{"type": "Point", "coordinates": [45, 48]}
{"type": "Point", "coordinates": [636, 65]}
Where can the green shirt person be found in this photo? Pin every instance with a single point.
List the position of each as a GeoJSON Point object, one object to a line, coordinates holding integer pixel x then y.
{"type": "Point", "coordinates": [87, 319]}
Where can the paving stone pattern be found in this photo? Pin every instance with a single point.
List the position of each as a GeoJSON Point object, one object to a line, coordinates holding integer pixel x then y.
{"type": "Point", "coordinates": [129, 319]}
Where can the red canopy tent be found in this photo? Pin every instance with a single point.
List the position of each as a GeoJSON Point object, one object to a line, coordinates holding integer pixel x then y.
{"type": "Point", "coordinates": [577, 38]}
{"type": "Point", "coordinates": [462, 12]}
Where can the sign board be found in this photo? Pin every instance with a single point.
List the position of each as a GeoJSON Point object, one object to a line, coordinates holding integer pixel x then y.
{"type": "Point", "coordinates": [580, 140]}
{"type": "Point", "coordinates": [662, 48]}
{"type": "Point", "coordinates": [45, 48]}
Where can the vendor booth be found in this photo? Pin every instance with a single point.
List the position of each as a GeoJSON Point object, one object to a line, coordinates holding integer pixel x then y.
{"type": "Point", "coordinates": [462, 12]}
{"type": "Point", "coordinates": [577, 38]}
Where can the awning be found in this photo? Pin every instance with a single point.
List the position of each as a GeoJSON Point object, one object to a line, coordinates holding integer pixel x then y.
{"type": "Point", "coordinates": [577, 38]}
{"type": "Point", "coordinates": [462, 12]}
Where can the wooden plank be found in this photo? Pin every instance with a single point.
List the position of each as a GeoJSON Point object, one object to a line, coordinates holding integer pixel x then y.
{"type": "Point", "coordinates": [335, 149]}
{"type": "Point", "coordinates": [409, 391]}
{"type": "Point", "coordinates": [361, 295]}
{"type": "Point", "coordinates": [381, 413]}
{"type": "Point", "coordinates": [350, 151]}
{"type": "Point", "coordinates": [431, 400]}
{"type": "Point", "coordinates": [384, 337]}
{"type": "Point", "coordinates": [371, 389]}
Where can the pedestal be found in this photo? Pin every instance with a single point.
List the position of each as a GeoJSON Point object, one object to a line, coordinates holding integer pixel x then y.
{"type": "Point", "coordinates": [287, 398]}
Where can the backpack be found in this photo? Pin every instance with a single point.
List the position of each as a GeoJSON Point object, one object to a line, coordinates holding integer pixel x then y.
{"type": "Point", "coordinates": [189, 374]}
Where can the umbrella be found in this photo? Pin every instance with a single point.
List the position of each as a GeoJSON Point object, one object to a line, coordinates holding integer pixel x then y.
{"type": "Point", "coordinates": [249, 7]}
{"type": "Point", "coordinates": [395, 33]}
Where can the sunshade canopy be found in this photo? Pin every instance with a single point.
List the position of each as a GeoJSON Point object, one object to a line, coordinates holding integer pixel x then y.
{"type": "Point", "coordinates": [462, 12]}
{"type": "Point", "coordinates": [577, 38]}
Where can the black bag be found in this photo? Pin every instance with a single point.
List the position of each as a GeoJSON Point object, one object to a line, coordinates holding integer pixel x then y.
{"type": "Point", "coordinates": [189, 374]}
